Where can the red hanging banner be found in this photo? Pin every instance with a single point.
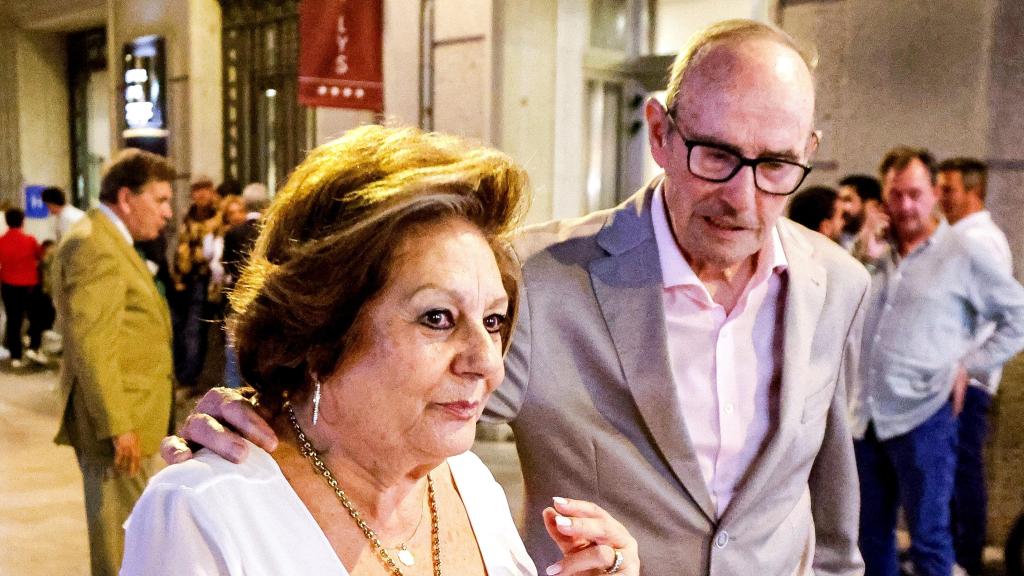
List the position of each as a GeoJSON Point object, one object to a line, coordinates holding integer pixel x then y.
{"type": "Point", "coordinates": [340, 49]}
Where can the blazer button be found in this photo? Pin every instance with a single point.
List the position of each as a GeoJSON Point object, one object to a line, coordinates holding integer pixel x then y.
{"type": "Point", "coordinates": [722, 540]}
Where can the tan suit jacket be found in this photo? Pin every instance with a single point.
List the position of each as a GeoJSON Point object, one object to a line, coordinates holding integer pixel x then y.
{"type": "Point", "coordinates": [117, 341]}
{"type": "Point", "coordinates": [590, 395]}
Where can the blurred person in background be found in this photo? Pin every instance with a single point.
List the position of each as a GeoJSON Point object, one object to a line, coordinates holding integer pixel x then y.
{"type": "Point", "coordinates": [229, 187]}
{"type": "Point", "coordinates": [118, 372]}
{"type": "Point", "coordinates": [66, 214]}
{"type": "Point", "coordinates": [930, 294]}
{"type": "Point", "coordinates": [238, 243]}
{"type": "Point", "coordinates": [861, 196]}
{"type": "Point", "coordinates": [820, 209]}
{"type": "Point", "coordinates": [232, 211]}
{"type": "Point", "coordinates": [371, 318]}
{"type": "Point", "coordinates": [962, 184]}
{"type": "Point", "coordinates": [19, 284]}
{"type": "Point", "coordinates": [191, 274]}
{"type": "Point", "coordinates": [45, 312]}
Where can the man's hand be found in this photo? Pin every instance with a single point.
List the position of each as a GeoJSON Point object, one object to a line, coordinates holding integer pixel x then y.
{"type": "Point", "coordinates": [872, 233]}
{"type": "Point", "coordinates": [127, 453]}
{"type": "Point", "coordinates": [205, 426]}
{"type": "Point", "coordinates": [959, 389]}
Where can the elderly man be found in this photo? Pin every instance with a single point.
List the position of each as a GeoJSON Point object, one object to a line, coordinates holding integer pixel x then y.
{"type": "Point", "coordinates": [961, 186]}
{"type": "Point", "coordinates": [930, 293]}
{"type": "Point", "coordinates": [118, 375]}
{"type": "Point", "coordinates": [678, 358]}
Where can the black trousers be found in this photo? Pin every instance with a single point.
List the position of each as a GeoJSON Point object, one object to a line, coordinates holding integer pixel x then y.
{"type": "Point", "coordinates": [18, 303]}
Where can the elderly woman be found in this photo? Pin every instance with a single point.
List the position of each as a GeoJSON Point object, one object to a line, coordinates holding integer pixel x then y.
{"type": "Point", "coordinates": [371, 320]}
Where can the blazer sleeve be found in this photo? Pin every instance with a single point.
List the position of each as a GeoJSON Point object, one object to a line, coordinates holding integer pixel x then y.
{"type": "Point", "coordinates": [95, 294]}
{"type": "Point", "coordinates": [834, 484]}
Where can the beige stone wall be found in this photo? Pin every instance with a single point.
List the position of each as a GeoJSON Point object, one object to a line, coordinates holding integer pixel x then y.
{"type": "Point", "coordinates": [10, 154]}
{"type": "Point", "coordinates": [1005, 454]}
{"type": "Point", "coordinates": [402, 62]}
{"type": "Point", "coordinates": [43, 109]}
{"type": "Point", "coordinates": [524, 100]}
{"type": "Point", "coordinates": [205, 111]}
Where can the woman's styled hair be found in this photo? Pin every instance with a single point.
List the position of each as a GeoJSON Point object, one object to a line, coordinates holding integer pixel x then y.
{"type": "Point", "coordinates": [329, 238]}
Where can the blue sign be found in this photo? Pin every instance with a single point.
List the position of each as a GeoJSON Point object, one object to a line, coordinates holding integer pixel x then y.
{"type": "Point", "coordinates": [34, 207]}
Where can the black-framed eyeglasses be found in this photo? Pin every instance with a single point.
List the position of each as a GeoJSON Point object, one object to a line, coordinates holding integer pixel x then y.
{"type": "Point", "coordinates": [716, 163]}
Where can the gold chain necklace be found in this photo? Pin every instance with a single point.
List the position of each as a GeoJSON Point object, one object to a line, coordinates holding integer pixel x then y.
{"type": "Point", "coordinates": [321, 467]}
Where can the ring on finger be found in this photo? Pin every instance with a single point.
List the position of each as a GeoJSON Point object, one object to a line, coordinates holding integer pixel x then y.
{"type": "Point", "coordinates": [616, 563]}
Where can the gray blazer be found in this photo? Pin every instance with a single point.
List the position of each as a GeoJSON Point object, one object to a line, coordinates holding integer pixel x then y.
{"type": "Point", "coordinates": [590, 396]}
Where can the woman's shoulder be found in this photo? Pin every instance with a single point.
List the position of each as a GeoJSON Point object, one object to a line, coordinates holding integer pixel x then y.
{"type": "Point", "coordinates": [208, 470]}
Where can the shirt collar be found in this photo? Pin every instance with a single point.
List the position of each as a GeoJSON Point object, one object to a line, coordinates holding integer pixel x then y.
{"type": "Point", "coordinates": [676, 271]}
{"type": "Point", "coordinates": [941, 230]}
{"type": "Point", "coordinates": [972, 219]}
{"type": "Point", "coordinates": [118, 223]}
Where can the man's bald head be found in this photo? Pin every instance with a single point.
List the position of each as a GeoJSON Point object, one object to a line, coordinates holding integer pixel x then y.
{"type": "Point", "coordinates": [742, 91]}
{"type": "Point", "coordinates": [731, 35]}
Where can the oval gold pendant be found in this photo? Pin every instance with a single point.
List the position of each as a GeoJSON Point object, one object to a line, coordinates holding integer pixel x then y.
{"type": "Point", "coordinates": [406, 557]}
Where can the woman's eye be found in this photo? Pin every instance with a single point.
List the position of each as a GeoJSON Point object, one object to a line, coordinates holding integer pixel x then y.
{"type": "Point", "coordinates": [438, 319]}
{"type": "Point", "coordinates": [494, 323]}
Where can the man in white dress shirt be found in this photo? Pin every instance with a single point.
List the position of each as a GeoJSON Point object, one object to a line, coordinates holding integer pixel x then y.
{"type": "Point", "coordinates": [961, 185]}
{"type": "Point", "coordinates": [66, 214]}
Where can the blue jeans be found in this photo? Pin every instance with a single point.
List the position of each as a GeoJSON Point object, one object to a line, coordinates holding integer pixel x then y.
{"type": "Point", "coordinates": [970, 498]}
{"type": "Point", "coordinates": [915, 471]}
{"type": "Point", "coordinates": [190, 332]}
{"type": "Point", "coordinates": [232, 376]}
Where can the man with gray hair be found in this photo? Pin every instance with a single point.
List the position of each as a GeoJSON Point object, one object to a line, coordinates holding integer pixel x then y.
{"type": "Point", "coordinates": [678, 358]}
{"type": "Point", "coordinates": [961, 186]}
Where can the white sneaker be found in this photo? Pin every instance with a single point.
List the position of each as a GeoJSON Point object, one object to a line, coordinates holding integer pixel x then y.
{"type": "Point", "coordinates": [37, 356]}
{"type": "Point", "coordinates": [17, 363]}
{"type": "Point", "coordinates": [52, 343]}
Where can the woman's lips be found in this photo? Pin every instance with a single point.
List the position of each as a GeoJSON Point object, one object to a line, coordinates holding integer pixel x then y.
{"type": "Point", "coordinates": [461, 410]}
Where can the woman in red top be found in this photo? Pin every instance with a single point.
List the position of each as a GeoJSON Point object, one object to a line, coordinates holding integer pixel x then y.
{"type": "Point", "coordinates": [19, 280]}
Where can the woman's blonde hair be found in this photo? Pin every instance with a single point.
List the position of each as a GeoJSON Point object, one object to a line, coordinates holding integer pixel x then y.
{"type": "Point", "coordinates": [329, 236]}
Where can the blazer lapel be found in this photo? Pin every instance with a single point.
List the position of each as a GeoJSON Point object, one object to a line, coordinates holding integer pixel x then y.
{"type": "Point", "coordinates": [805, 299]}
{"type": "Point", "coordinates": [627, 284]}
{"type": "Point", "coordinates": [126, 249]}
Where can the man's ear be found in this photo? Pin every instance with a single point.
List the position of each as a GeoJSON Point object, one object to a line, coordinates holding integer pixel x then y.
{"type": "Point", "coordinates": [657, 130]}
{"type": "Point", "coordinates": [812, 144]}
{"type": "Point", "coordinates": [123, 193]}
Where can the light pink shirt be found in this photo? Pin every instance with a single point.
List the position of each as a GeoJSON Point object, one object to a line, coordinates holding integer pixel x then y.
{"type": "Point", "coordinates": [726, 367]}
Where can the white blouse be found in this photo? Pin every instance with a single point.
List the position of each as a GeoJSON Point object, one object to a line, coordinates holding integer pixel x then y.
{"type": "Point", "coordinates": [210, 516]}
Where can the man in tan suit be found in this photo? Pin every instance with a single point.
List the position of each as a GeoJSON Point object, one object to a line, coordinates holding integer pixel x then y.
{"type": "Point", "coordinates": [117, 377]}
{"type": "Point", "coordinates": [677, 359]}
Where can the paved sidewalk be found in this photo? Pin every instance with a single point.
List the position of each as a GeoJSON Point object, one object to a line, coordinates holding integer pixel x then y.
{"type": "Point", "coordinates": [42, 516]}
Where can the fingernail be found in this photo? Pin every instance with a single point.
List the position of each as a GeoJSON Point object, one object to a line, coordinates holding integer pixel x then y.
{"type": "Point", "coordinates": [560, 500]}
{"type": "Point", "coordinates": [562, 521]}
{"type": "Point", "coordinates": [554, 569]}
